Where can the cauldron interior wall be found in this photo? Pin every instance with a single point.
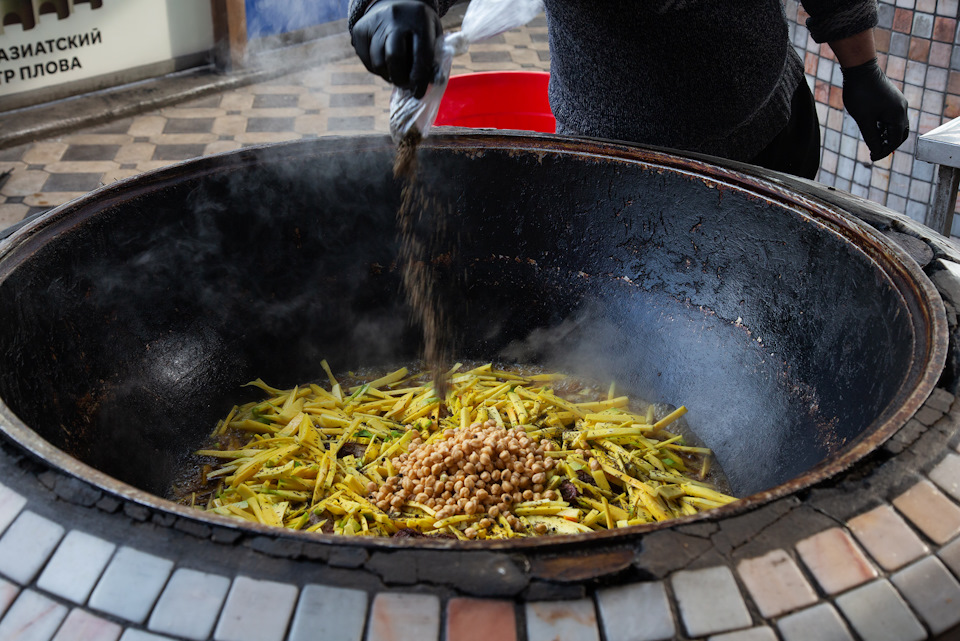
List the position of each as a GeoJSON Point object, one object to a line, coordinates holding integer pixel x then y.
{"type": "Point", "coordinates": [129, 324]}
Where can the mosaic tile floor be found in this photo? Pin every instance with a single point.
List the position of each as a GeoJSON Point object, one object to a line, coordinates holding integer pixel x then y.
{"type": "Point", "coordinates": [888, 572]}
{"type": "Point", "coordinates": [340, 98]}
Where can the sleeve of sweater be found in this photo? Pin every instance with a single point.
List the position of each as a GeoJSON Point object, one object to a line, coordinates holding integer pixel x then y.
{"type": "Point", "coordinates": [837, 19]}
{"type": "Point", "coordinates": [359, 7]}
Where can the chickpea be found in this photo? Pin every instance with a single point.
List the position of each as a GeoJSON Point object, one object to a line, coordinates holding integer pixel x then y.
{"type": "Point", "coordinates": [594, 464]}
{"type": "Point", "coordinates": [482, 495]}
{"type": "Point", "coordinates": [485, 523]}
{"type": "Point", "coordinates": [486, 477]}
{"type": "Point", "coordinates": [527, 495]}
{"type": "Point", "coordinates": [494, 511]}
{"type": "Point", "coordinates": [470, 533]}
{"type": "Point", "coordinates": [507, 487]}
{"type": "Point", "coordinates": [538, 477]}
{"type": "Point", "coordinates": [540, 528]}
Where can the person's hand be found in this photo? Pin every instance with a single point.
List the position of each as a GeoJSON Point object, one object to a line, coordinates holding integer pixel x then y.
{"type": "Point", "coordinates": [395, 39]}
{"type": "Point", "coordinates": [878, 107]}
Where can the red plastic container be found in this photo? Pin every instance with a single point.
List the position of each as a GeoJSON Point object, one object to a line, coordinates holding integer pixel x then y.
{"type": "Point", "coordinates": [498, 100]}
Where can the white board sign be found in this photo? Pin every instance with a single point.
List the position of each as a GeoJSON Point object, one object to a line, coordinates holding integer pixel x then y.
{"type": "Point", "coordinates": [88, 42]}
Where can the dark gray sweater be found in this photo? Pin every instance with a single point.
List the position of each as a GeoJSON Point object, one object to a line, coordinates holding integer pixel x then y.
{"type": "Point", "coordinates": [714, 76]}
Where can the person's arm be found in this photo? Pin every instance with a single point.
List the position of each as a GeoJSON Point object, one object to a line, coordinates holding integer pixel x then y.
{"type": "Point", "coordinates": [878, 107]}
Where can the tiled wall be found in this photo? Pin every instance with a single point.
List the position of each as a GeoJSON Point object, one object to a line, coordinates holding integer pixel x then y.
{"type": "Point", "coordinates": [918, 43]}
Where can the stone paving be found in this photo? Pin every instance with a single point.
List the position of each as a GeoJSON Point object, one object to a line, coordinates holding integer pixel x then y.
{"type": "Point", "coordinates": [875, 556]}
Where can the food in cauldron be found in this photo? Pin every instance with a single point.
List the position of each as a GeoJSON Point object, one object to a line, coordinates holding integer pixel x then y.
{"type": "Point", "coordinates": [506, 454]}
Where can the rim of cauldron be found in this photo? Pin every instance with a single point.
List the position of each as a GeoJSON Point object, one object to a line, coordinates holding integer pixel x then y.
{"type": "Point", "coordinates": [721, 173]}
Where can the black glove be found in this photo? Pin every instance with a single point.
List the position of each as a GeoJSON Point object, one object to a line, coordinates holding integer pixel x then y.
{"type": "Point", "coordinates": [395, 39]}
{"type": "Point", "coordinates": [878, 107]}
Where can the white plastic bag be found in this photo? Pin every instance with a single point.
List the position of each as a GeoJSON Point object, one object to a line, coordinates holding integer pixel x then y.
{"type": "Point", "coordinates": [483, 19]}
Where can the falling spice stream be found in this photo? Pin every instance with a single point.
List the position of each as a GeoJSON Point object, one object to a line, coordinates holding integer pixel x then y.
{"type": "Point", "coordinates": [419, 280]}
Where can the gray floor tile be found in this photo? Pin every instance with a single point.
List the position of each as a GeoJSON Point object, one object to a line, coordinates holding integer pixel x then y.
{"type": "Point", "coordinates": [351, 123]}
{"type": "Point", "coordinates": [932, 591]}
{"type": "Point", "coordinates": [259, 125]}
{"type": "Point", "coordinates": [328, 613]}
{"type": "Point", "coordinates": [131, 584]}
{"type": "Point", "coordinates": [90, 152]}
{"type": "Point", "coordinates": [75, 566]}
{"type": "Point", "coordinates": [32, 617]}
{"type": "Point", "coordinates": [256, 611]}
{"type": "Point", "coordinates": [190, 604]}
{"type": "Point", "coordinates": [178, 152]}
{"type": "Point", "coordinates": [26, 546]}
{"type": "Point", "coordinates": [638, 612]}
{"type": "Point", "coordinates": [72, 182]}
{"type": "Point", "coordinates": [352, 100]}
{"type": "Point", "coordinates": [877, 612]}
{"type": "Point", "coordinates": [709, 601]}
{"type": "Point", "coordinates": [188, 126]}
{"type": "Point", "coordinates": [821, 622]}
{"type": "Point", "coordinates": [275, 101]}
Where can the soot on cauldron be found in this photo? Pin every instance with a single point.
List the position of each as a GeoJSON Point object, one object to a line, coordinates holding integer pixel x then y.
{"type": "Point", "coordinates": [797, 338]}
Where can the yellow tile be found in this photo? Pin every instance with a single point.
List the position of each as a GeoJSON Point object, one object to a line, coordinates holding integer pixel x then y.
{"type": "Point", "coordinates": [81, 166]}
{"type": "Point", "coordinates": [310, 124]}
{"type": "Point", "coordinates": [44, 152]}
{"type": "Point", "coordinates": [311, 101]}
{"type": "Point", "coordinates": [263, 137]}
{"type": "Point", "coordinates": [147, 125]}
{"type": "Point", "coordinates": [276, 89]}
{"type": "Point", "coordinates": [24, 182]}
{"type": "Point", "coordinates": [221, 146]}
{"type": "Point", "coordinates": [52, 198]}
{"type": "Point", "coordinates": [12, 213]}
{"type": "Point", "coordinates": [149, 165]}
{"type": "Point", "coordinates": [192, 112]}
{"type": "Point", "coordinates": [235, 101]}
{"type": "Point", "coordinates": [286, 112]}
{"type": "Point", "coordinates": [183, 139]}
{"type": "Point", "coordinates": [98, 139]}
{"type": "Point", "coordinates": [229, 125]}
{"type": "Point", "coordinates": [135, 152]}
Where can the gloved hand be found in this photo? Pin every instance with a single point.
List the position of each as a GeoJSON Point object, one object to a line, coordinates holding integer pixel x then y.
{"type": "Point", "coordinates": [878, 107]}
{"type": "Point", "coordinates": [395, 39]}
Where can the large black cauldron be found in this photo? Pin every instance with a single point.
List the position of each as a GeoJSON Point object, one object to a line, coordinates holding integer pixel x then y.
{"type": "Point", "coordinates": [798, 338]}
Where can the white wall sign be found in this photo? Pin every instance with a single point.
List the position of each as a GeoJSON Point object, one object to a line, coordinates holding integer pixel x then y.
{"type": "Point", "coordinates": [90, 39]}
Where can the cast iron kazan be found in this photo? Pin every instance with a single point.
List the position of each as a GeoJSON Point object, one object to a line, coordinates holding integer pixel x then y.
{"type": "Point", "coordinates": [798, 338]}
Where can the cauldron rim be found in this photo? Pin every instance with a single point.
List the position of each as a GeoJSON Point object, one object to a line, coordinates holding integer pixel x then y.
{"type": "Point", "coordinates": [722, 174]}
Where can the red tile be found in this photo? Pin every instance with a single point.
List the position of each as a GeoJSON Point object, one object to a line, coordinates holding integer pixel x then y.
{"type": "Point", "coordinates": [802, 15]}
{"type": "Point", "coordinates": [481, 620]}
{"type": "Point", "coordinates": [827, 52]}
{"type": "Point", "coordinates": [836, 97]}
{"type": "Point", "coordinates": [951, 107]}
{"type": "Point", "coordinates": [944, 28]}
{"type": "Point", "coordinates": [882, 38]}
{"type": "Point", "coordinates": [940, 54]}
{"type": "Point", "coordinates": [810, 63]}
{"type": "Point", "coordinates": [821, 91]}
{"type": "Point", "coordinates": [953, 84]}
{"type": "Point", "coordinates": [919, 49]}
{"type": "Point", "coordinates": [903, 20]}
